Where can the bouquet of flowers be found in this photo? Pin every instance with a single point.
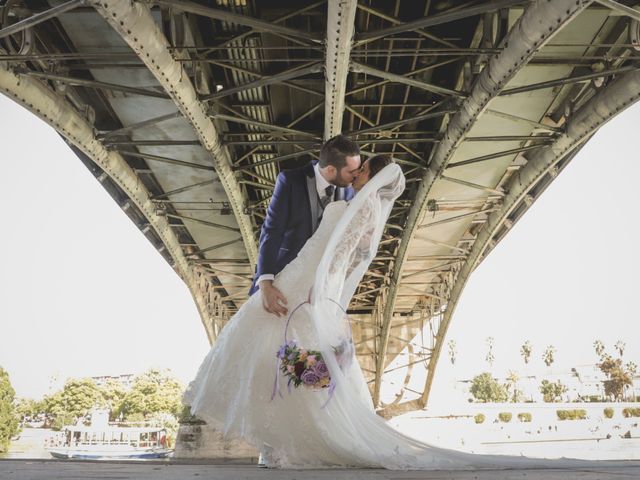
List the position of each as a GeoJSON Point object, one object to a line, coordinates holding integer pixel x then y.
{"type": "Point", "coordinates": [303, 367]}
{"type": "Point", "coordinates": [307, 367]}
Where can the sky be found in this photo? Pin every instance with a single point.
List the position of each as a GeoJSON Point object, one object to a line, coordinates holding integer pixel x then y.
{"type": "Point", "coordinates": [83, 293]}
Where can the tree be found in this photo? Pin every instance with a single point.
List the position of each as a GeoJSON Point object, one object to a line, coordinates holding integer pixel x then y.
{"type": "Point", "coordinates": [28, 408]}
{"type": "Point", "coordinates": [489, 357]}
{"type": "Point", "coordinates": [9, 425]}
{"type": "Point", "coordinates": [75, 400]}
{"type": "Point", "coordinates": [113, 394]}
{"type": "Point", "coordinates": [618, 377]}
{"type": "Point", "coordinates": [452, 351]}
{"type": "Point", "coordinates": [511, 386]}
{"type": "Point", "coordinates": [525, 351]}
{"type": "Point", "coordinates": [486, 389]}
{"type": "Point", "coordinates": [548, 355]}
{"type": "Point", "coordinates": [153, 392]}
{"type": "Point", "coordinates": [632, 369]}
{"type": "Point", "coordinates": [552, 392]}
{"type": "Point", "coordinates": [599, 347]}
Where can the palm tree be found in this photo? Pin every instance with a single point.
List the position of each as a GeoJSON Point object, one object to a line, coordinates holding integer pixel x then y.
{"type": "Point", "coordinates": [632, 369]}
{"type": "Point", "coordinates": [525, 351]}
{"type": "Point", "coordinates": [452, 351]}
{"type": "Point", "coordinates": [599, 346]}
{"type": "Point", "coordinates": [489, 357]}
{"type": "Point", "coordinates": [512, 383]}
{"type": "Point", "coordinates": [548, 355]}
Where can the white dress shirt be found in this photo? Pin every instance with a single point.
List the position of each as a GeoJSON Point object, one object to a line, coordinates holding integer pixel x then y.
{"type": "Point", "coordinates": [321, 185]}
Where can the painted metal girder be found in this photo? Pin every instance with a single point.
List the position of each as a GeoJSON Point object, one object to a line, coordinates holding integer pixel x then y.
{"type": "Point", "coordinates": [57, 112]}
{"type": "Point", "coordinates": [134, 22]}
{"type": "Point", "coordinates": [540, 21]}
{"type": "Point", "coordinates": [340, 29]}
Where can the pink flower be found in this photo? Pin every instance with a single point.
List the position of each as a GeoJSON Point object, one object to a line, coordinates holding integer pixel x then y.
{"type": "Point", "coordinates": [303, 354]}
{"type": "Point", "coordinates": [311, 360]}
{"type": "Point", "coordinates": [290, 368]}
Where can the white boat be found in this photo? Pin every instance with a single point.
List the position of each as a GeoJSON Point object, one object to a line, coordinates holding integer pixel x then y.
{"type": "Point", "coordinates": [102, 441]}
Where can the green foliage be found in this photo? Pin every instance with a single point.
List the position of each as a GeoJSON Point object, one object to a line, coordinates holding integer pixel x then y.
{"type": "Point", "coordinates": [505, 417]}
{"type": "Point", "coordinates": [548, 356]}
{"type": "Point", "coordinates": [630, 412]}
{"type": "Point", "coordinates": [186, 418]}
{"type": "Point", "coordinates": [135, 417]}
{"type": "Point", "coordinates": [113, 394]}
{"type": "Point", "coordinates": [608, 412]}
{"type": "Point", "coordinates": [512, 387]}
{"type": "Point", "coordinates": [525, 351]}
{"type": "Point", "coordinates": [479, 418]}
{"type": "Point", "coordinates": [578, 414]}
{"type": "Point", "coordinates": [75, 400]}
{"type": "Point", "coordinates": [525, 417]}
{"type": "Point", "coordinates": [28, 408]}
{"type": "Point", "coordinates": [618, 376]}
{"type": "Point", "coordinates": [599, 347]}
{"type": "Point", "coordinates": [9, 425]}
{"type": "Point", "coordinates": [486, 389]}
{"type": "Point", "coordinates": [62, 420]}
{"type": "Point", "coordinates": [153, 392]}
{"type": "Point", "coordinates": [552, 392]}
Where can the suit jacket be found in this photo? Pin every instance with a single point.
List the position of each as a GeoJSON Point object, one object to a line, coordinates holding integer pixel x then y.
{"type": "Point", "coordinates": [292, 217]}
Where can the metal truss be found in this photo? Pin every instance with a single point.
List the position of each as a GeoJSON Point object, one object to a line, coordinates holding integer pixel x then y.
{"type": "Point", "coordinates": [537, 25]}
{"type": "Point", "coordinates": [255, 85]}
{"type": "Point", "coordinates": [134, 22]}
{"type": "Point", "coordinates": [541, 170]}
{"type": "Point", "coordinates": [340, 29]}
{"type": "Point", "coordinates": [50, 107]}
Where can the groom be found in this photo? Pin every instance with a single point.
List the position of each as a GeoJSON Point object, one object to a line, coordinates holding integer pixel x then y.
{"type": "Point", "coordinates": [296, 207]}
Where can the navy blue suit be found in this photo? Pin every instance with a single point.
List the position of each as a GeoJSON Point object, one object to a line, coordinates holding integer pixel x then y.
{"type": "Point", "coordinates": [289, 222]}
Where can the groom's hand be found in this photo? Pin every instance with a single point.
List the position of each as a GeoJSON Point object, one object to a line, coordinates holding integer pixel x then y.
{"type": "Point", "coordinates": [273, 300]}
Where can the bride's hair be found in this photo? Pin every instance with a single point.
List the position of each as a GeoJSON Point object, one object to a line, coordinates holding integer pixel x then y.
{"type": "Point", "coordinates": [377, 163]}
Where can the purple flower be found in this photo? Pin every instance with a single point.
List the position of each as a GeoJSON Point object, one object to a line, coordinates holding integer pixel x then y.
{"type": "Point", "coordinates": [309, 377]}
{"type": "Point", "coordinates": [321, 369]}
{"type": "Point", "coordinates": [282, 352]}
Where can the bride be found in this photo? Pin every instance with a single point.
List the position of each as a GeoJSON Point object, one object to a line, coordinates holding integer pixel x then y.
{"type": "Point", "coordinates": [263, 379]}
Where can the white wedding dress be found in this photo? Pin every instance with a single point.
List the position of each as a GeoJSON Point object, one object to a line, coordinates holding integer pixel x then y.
{"type": "Point", "coordinates": [234, 386]}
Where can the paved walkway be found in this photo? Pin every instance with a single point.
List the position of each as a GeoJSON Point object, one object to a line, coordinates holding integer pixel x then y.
{"type": "Point", "coordinates": [56, 469]}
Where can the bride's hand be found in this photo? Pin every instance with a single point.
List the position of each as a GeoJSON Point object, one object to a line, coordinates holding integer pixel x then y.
{"type": "Point", "coordinates": [273, 300]}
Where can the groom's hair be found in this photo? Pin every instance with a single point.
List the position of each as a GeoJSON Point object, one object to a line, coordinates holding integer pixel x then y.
{"type": "Point", "coordinates": [336, 150]}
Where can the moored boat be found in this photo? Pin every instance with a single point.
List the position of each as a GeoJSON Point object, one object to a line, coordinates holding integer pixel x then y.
{"type": "Point", "coordinates": [102, 441]}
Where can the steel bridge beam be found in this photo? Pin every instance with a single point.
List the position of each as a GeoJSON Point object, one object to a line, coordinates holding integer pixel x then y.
{"type": "Point", "coordinates": [134, 22]}
{"type": "Point", "coordinates": [619, 7]}
{"type": "Point", "coordinates": [341, 17]}
{"type": "Point", "coordinates": [41, 17]}
{"type": "Point", "coordinates": [83, 82]}
{"type": "Point", "coordinates": [540, 21]}
{"type": "Point", "coordinates": [438, 19]}
{"type": "Point", "coordinates": [53, 109]}
{"type": "Point", "coordinates": [236, 18]}
{"type": "Point", "coordinates": [613, 99]}
{"type": "Point", "coordinates": [394, 77]}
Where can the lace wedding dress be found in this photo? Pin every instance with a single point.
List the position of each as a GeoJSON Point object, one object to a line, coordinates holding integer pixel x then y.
{"type": "Point", "coordinates": [234, 388]}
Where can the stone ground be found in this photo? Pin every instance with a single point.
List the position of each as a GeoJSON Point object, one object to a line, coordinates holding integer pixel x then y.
{"type": "Point", "coordinates": [56, 469]}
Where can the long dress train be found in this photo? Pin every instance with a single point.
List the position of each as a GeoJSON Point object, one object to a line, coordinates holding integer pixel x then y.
{"type": "Point", "coordinates": [234, 389]}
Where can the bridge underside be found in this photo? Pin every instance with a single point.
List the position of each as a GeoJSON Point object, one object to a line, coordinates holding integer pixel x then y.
{"type": "Point", "coordinates": [186, 112]}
